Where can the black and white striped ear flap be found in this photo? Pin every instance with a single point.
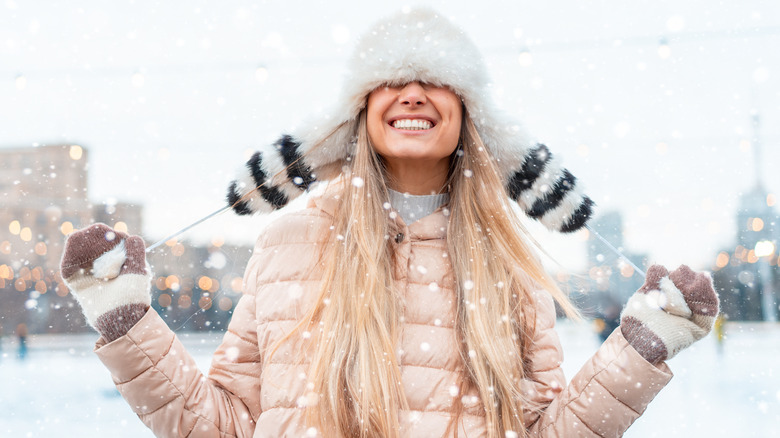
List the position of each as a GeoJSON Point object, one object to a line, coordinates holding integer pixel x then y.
{"type": "Point", "coordinates": [271, 179]}
{"type": "Point", "coordinates": [547, 192]}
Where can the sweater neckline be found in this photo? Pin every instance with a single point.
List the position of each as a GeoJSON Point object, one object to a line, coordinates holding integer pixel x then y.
{"type": "Point", "coordinates": [412, 208]}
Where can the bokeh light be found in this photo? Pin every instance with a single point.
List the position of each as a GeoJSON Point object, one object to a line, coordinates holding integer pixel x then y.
{"type": "Point", "coordinates": [164, 300]}
{"type": "Point", "coordinates": [225, 304]}
{"type": "Point", "coordinates": [40, 249]}
{"type": "Point", "coordinates": [722, 260]}
{"type": "Point", "coordinates": [204, 283]}
{"type": "Point", "coordinates": [184, 301]}
{"type": "Point", "coordinates": [121, 227]}
{"type": "Point", "coordinates": [66, 228]}
{"type": "Point", "coordinates": [75, 152]}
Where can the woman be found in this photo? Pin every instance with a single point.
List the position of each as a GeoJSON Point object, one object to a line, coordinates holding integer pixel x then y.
{"type": "Point", "coordinates": [405, 300]}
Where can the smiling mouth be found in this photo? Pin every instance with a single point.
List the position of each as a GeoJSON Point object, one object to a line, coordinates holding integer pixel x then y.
{"type": "Point", "coordinates": [412, 124]}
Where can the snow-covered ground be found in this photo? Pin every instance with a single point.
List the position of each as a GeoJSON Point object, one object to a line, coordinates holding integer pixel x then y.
{"type": "Point", "coordinates": [61, 389]}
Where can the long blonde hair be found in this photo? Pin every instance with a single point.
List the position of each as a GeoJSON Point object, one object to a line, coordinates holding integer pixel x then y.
{"type": "Point", "coordinates": [354, 370]}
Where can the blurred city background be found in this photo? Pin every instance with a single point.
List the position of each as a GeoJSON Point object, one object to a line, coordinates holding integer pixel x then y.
{"type": "Point", "coordinates": [136, 114]}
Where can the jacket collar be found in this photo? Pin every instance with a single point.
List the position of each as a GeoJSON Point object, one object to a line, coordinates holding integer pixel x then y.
{"type": "Point", "coordinates": [431, 227]}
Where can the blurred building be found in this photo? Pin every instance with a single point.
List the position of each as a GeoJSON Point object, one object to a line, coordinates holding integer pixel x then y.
{"type": "Point", "coordinates": [44, 196]}
{"type": "Point", "coordinates": [746, 275]}
{"type": "Point", "coordinates": [196, 287]}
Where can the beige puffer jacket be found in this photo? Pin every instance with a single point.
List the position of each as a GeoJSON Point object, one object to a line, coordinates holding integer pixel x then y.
{"type": "Point", "coordinates": [246, 395]}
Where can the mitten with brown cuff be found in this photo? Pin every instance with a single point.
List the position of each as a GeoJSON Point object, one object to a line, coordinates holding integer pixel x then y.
{"type": "Point", "coordinates": [669, 312]}
{"type": "Point", "coordinates": [107, 272]}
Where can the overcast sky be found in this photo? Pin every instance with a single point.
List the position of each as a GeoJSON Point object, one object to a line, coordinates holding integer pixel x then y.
{"type": "Point", "coordinates": [168, 98]}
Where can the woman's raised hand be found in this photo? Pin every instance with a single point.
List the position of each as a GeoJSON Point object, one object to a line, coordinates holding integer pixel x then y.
{"type": "Point", "coordinates": [669, 312]}
{"type": "Point", "coordinates": [107, 272]}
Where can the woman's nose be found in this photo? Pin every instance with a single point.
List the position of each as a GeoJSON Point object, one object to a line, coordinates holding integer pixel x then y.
{"type": "Point", "coordinates": [412, 95]}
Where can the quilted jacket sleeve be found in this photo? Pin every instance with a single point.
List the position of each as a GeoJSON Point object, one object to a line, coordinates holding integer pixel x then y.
{"type": "Point", "coordinates": [603, 399]}
{"type": "Point", "coordinates": [163, 386]}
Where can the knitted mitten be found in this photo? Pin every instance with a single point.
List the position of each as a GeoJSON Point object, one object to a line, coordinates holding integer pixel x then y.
{"type": "Point", "coordinates": [669, 312]}
{"type": "Point", "coordinates": [107, 272]}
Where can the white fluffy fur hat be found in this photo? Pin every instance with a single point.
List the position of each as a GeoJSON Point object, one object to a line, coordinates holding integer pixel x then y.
{"type": "Point", "coordinates": [419, 45]}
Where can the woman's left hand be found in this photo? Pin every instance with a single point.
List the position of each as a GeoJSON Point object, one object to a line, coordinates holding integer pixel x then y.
{"type": "Point", "coordinates": [669, 312]}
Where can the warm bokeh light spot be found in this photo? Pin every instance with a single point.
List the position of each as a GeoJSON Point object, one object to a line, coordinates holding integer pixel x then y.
{"type": "Point", "coordinates": [75, 152]}
{"type": "Point", "coordinates": [6, 272]}
{"type": "Point", "coordinates": [771, 200]}
{"type": "Point", "coordinates": [40, 249]}
{"type": "Point", "coordinates": [15, 227]}
{"type": "Point", "coordinates": [722, 260]}
{"type": "Point", "coordinates": [164, 300]}
{"type": "Point", "coordinates": [184, 301]}
{"type": "Point", "coordinates": [237, 284]}
{"type": "Point", "coordinates": [41, 287]}
{"type": "Point", "coordinates": [756, 224]}
{"type": "Point", "coordinates": [121, 227]}
{"type": "Point", "coordinates": [204, 303]}
{"type": "Point", "coordinates": [5, 247]}
{"type": "Point", "coordinates": [217, 241]}
{"type": "Point", "coordinates": [20, 285]}
{"type": "Point", "coordinates": [225, 304]}
{"type": "Point", "coordinates": [66, 228]}
{"type": "Point", "coordinates": [627, 271]}
{"type": "Point", "coordinates": [26, 234]}
{"type": "Point", "coordinates": [172, 281]}
{"type": "Point", "coordinates": [752, 257]}
{"type": "Point", "coordinates": [61, 290]}
{"type": "Point", "coordinates": [177, 250]}
{"type": "Point", "coordinates": [25, 274]}
{"type": "Point", "coordinates": [37, 273]}
{"type": "Point", "coordinates": [159, 283]}
{"type": "Point", "coordinates": [204, 283]}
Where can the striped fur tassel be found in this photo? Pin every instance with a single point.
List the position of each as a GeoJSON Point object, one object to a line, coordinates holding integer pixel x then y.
{"type": "Point", "coordinates": [549, 193]}
{"type": "Point", "coordinates": [270, 179]}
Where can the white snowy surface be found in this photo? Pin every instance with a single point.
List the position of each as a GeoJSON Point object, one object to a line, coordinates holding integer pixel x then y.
{"type": "Point", "coordinates": [62, 389]}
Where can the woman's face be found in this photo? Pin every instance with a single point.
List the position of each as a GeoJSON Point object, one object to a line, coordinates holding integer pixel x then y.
{"type": "Point", "coordinates": [414, 126]}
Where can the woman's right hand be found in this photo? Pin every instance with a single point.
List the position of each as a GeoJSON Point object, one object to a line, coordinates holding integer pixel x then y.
{"type": "Point", "coordinates": [107, 272]}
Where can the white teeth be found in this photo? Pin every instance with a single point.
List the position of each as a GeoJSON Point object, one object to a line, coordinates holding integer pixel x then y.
{"type": "Point", "coordinates": [412, 124]}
